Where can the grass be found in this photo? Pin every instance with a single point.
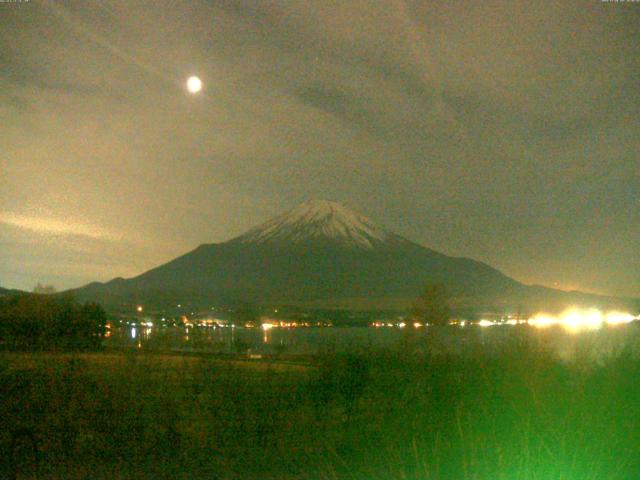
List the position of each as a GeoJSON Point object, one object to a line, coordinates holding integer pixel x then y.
{"type": "Point", "coordinates": [519, 413]}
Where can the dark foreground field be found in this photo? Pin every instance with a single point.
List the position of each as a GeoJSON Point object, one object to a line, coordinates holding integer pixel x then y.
{"type": "Point", "coordinates": [519, 414]}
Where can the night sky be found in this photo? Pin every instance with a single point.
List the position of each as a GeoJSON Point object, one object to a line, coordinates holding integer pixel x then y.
{"type": "Point", "coordinates": [508, 132]}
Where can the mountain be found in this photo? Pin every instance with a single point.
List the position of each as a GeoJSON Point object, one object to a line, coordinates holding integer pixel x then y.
{"type": "Point", "coordinates": [321, 254]}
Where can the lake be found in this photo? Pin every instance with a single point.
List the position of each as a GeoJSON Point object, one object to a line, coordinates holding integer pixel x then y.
{"type": "Point", "coordinates": [592, 343]}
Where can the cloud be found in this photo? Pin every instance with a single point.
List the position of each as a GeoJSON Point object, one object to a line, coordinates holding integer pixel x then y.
{"type": "Point", "coordinates": [53, 226]}
{"type": "Point", "coordinates": [503, 131]}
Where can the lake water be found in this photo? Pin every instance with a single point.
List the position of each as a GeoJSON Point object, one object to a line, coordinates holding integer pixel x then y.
{"type": "Point", "coordinates": [595, 344]}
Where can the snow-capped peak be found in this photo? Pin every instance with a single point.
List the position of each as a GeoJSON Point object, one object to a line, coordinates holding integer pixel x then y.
{"type": "Point", "coordinates": [319, 220]}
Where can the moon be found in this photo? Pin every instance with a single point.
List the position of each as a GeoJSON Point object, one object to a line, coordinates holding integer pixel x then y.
{"type": "Point", "coordinates": [194, 84]}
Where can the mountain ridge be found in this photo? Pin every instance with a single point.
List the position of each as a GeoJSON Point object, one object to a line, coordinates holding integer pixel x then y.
{"type": "Point", "coordinates": [321, 253]}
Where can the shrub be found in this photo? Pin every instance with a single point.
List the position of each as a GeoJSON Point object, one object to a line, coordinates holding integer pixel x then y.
{"type": "Point", "coordinates": [44, 322]}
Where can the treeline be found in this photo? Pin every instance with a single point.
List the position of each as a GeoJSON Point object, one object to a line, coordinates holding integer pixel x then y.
{"type": "Point", "coordinates": [47, 322]}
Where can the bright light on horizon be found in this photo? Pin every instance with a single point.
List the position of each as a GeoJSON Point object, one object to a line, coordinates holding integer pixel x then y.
{"type": "Point", "coordinates": [486, 323]}
{"type": "Point", "coordinates": [617, 318]}
{"type": "Point", "coordinates": [575, 320]}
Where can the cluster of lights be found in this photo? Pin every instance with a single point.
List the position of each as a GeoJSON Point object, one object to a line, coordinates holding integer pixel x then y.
{"type": "Point", "coordinates": [461, 323]}
{"type": "Point", "coordinates": [572, 320]}
{"type": "Point", "coordinates": [268, 325]}
{"type": "Point", "coordinates": [489, 323]}
{"type": "Point", "coordinates": [389, 324]}
{"type": "Point", "coordinates": [212, 323]}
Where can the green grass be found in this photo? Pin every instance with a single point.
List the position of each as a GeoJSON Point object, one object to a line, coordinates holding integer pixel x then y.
{"type": "Point", "coordinates": [516, 414]}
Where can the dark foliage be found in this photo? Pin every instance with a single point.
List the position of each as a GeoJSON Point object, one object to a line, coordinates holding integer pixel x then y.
{"type": "Point", "coordinates": [45, 322]}
{"type": "Point", "coordinates": [515, 413]}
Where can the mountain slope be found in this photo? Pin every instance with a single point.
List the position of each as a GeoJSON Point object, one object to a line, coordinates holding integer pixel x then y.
{"type": "Point", "coordinates": [9, 292]}
{"type": "Point", "coordinates": [321, 254]}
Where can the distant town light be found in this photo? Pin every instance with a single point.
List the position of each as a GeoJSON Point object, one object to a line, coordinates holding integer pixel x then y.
{"type": "Point", "coordinates": [486, 323]}
{"type": "Point", "coordinates": [139, 308]}
{"type": "Point", "coordinates": [575, 320]}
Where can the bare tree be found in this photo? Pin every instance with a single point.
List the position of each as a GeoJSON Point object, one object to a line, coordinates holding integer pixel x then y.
{"type": "Point", "coordinates": [432, 306]}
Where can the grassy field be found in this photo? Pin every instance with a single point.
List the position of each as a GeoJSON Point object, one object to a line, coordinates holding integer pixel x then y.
{"type": "Point", "coordinates": [517, 414]}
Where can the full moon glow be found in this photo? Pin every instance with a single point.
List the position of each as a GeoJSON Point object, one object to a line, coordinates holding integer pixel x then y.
{"type": "Point", "coordinates": [194, 84]}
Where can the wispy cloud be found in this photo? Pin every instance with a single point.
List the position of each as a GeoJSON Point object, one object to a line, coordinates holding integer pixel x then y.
{"type": "Point", "coordinates": [53, 226]}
